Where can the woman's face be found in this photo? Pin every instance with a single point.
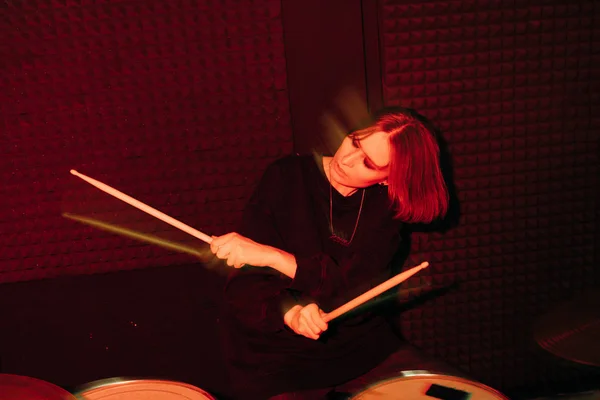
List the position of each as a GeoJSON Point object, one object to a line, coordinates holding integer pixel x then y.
{"type": "Point", "coordinates": [360, 162]}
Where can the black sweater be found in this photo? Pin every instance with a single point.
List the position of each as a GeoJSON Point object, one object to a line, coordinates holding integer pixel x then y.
{"type": "Point", "coordinates": [290, 210]}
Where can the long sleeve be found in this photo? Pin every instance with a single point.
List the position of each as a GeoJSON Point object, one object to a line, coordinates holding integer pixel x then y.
{"type": "Point", "coordinates": [286, 211]}
{"type": "Point", "coordinates": [256, 295]}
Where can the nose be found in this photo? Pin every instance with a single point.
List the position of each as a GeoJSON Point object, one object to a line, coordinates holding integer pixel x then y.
{"type": "Point", "coordinates": [350, 159]}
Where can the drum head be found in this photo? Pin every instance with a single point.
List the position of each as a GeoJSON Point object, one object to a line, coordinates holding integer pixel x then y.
{"type": "Point", "coordinates": [141, 389]}
{"type": "Point", "coordinates": [422, 385]}
{"type": "Point", "coordinates": [17, 387]}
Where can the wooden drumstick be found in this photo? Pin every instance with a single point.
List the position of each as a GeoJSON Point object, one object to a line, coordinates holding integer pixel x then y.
{"type": "Point", "coordinates": [147, 209]}
{"type": "Point", "coordinates": [377, 290]}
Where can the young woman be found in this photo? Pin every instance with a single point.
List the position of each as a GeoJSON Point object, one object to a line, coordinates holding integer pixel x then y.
{"type": "Point", "coordinates": [317, 232]}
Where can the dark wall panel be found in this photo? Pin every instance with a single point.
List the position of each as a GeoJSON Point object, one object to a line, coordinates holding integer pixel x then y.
{"type": "Point", "coordinates": [179, 104]}
{"type": "Point", "coordinates": [514, 88]}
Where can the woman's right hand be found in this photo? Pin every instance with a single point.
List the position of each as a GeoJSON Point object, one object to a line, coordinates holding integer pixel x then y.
{"type": "Point", "coordinates": [307, 321]}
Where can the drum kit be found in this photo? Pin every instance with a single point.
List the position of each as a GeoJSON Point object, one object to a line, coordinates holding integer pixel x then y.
{"type": "Point", "coordinates": [410, 385]}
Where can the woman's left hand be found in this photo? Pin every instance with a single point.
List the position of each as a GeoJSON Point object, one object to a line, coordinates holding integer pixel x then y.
{"type": "Point", "coordinates": [238, 250]}
{"type": "Point", "coordinates": [308, 321]}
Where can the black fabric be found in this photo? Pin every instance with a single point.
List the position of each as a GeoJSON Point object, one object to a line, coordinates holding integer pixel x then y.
{"type": "Point", "coordinates": [290, 210]}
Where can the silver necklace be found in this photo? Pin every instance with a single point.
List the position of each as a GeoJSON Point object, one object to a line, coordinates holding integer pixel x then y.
{"type": "Point", "coordinates": [333, 236]}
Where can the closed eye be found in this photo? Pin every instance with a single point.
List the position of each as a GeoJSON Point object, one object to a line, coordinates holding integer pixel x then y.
{"type": "Point", "coordinates": [366, 161]}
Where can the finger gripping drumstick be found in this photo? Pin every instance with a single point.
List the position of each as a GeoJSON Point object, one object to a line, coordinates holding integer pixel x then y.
{"type": "Point", "coordinates": [145, 208]}
{"type": "Point", "coordinates": [377, 290]}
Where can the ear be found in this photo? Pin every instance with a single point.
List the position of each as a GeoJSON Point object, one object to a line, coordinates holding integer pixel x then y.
{"type": "Point", "coordinates": [384, 183]}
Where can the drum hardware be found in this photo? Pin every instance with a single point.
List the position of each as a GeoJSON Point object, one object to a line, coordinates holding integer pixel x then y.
{"type": "Point", "coordinates": [572, 330]}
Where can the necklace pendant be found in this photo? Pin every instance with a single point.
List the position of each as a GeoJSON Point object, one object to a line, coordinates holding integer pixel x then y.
{"type": "Point", "coordinates": [333, 236]}
{"type": "Point", "coordinates": [339, 240]}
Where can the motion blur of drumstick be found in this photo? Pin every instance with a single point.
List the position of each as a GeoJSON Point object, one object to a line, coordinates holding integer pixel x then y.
{"type": "Point", "coordinates": [377, 290]}
{"type": "Point", "coordinates": [144, 237]}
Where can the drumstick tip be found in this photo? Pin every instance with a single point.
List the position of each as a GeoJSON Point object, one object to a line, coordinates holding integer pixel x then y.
{"type": "Point", "coordinates": [74, 172]}
{"type": "Point", "coordinates": [424, 264]}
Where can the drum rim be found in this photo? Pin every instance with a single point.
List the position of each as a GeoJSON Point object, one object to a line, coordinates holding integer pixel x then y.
{"type": "Point", "coordinates": [58, 390]}
{"type": "Point", "coordinates": [416, 374]}
{"type": "Point", "coordinates": [86, 388]}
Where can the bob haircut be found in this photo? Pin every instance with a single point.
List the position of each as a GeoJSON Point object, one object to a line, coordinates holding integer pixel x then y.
{"type": "Point", "coordinates": [416, 186]}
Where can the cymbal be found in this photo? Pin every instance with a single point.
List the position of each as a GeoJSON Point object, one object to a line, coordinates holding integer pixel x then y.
{"type": "Point", "coordinates": [17, 387]}
{"type": "Point", "coordinates": [572, 330]}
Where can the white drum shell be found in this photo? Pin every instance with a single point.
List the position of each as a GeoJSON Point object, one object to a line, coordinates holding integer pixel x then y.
{"type": "Point", "coordinates": [141, 389]}
{"type": "Point", "coordinates": [412, 385]}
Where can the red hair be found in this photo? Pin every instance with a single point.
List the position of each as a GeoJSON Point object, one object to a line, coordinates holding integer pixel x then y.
{"type": "Point", "coordinates": [416, 186]}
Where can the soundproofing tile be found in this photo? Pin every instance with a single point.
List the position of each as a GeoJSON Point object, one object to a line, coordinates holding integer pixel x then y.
{"type": "Point", "coordinates": [180, 105]}
{"type": "Point", "coordinates": [513, 87]}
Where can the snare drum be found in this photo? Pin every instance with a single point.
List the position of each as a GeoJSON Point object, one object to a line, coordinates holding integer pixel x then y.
{"type": "Point", "coordinates": [424, 385]}
{"type": "Point", "coordinates": [141, 389]}
{"type": "Point", "coordinates": [18, 387]}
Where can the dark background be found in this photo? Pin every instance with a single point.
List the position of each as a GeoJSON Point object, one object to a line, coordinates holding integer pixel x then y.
{"type": "Point", "coordinates": [182, 104]}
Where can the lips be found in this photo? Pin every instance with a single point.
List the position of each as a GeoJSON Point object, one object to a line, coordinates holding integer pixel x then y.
{"type": "Point", "coordinates": [336, 166]}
